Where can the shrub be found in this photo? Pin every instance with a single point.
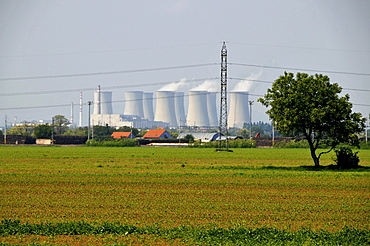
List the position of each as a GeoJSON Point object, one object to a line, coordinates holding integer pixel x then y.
{"type": "Point", "coordinates": [345, 158]}
{"type": "Point", "coordinates": [113, 143]}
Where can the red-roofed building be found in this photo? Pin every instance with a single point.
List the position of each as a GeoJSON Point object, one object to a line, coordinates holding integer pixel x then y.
{"type": "Point", "coordinates": [157, 134]}
{"type": "Point", "coordinates": [118, 135]}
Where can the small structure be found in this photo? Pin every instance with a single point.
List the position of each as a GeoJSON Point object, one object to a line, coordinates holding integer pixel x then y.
{"type": "Point", "coordinates": [203, 137]}
{"type": "Point", "coordinates": [119, 135]}
{"type": "Point", "coordinates": [157, 134]}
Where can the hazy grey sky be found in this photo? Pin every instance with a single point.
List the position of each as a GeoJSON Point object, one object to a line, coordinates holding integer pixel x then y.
{"type": "Point", "coordinates": [52, 38]}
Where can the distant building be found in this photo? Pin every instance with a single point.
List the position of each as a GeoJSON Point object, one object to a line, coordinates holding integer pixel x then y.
{"type": "Point", "coordinates": [157, 134]}
{"type": "Point", "coordinates": [119, 120]}
{"type": "Point", "coordinates": [119, 135]}
{"type": "Point", "coordinates": [198, 136]}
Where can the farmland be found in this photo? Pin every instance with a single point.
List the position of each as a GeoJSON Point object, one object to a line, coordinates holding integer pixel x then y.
{"type": "Point", "coordinates": [167, 188]}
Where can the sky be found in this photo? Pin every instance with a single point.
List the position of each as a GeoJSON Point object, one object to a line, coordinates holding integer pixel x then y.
{"type": "Point", "coordinates": [51, 50]}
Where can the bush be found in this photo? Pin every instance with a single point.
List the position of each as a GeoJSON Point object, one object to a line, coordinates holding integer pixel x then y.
{"type": "Point", "coordinates": [345, 158]}
{"type": "Point", "coordinates": [113, 143]}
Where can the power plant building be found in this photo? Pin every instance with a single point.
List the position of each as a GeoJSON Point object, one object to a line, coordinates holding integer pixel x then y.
{"type": "Point", "coordinates": [103, 102]}
{"type": "Point", "coordinates": [148, 106]}
{"type": "Point", "coordinates": [212, 109]}
{"type": "Point", "coordinates": [134, 103]}
{"type": "Point", "coordinates": [197, 110]}
{"type": "Point", "coordinates": [179, 108]}
{"type": "Point", "coordinates": [165, 108]}
{"type": "Point", "coordinates": [238, 111]}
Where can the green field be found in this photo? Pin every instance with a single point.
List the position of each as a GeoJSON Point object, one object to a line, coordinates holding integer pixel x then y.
{"type": "Point", "coordinates": [186, 189]}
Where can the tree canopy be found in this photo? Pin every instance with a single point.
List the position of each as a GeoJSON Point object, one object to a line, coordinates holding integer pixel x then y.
{"type": "Point", "coordinates": [310, 106]}
{"type": "Point", "coordinates": [43, 131]}
{"type": "Point", "coordinates": [61, 123]}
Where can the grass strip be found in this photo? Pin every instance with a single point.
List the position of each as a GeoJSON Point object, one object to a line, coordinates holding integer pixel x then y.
{"type": "Point", "coordinates": [194, 235]}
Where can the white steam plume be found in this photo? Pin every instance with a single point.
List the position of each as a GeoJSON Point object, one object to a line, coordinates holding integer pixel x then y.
{"type": "Point", "coordinates": [208, 85]}
{"type": "Point", "coordinates": [246, 84]}
{"type": "Point", "coordinates": [175, 86]}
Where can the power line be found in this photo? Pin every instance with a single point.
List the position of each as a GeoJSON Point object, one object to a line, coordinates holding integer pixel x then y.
{"type": "Point", "coordinates": [123, 101]}
{"type": "Point", "coordinates": [299, 69]}
{"type": "Point", "coordinates": [142, 85]}
{"type": "Point", "coordinates": [94, 88]}
{"type": "Point", "coordinates": [271, 82]}
{"type": "Point", "coordinates": [105, 73]}
{"type": "Point", "coordinates": [299, 47]}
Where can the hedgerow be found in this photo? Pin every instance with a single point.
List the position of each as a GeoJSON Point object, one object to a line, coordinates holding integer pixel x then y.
{"type": "Point", "coordinates": [113, 143]}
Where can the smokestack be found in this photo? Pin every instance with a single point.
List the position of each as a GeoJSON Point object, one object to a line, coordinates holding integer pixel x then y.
{"type": "Point", "coordinates": [134, 103]}
{"type": "Point", "coordinates": [238, 112]}
{"type": "Point", "coordinates": [165, 108]}
{"type": "Point", "coordinates": [212, 109]}
{"type": "Point", "coordinates": [197, 111]}
{"type": "Point", "coordinates": [179, 108]}
{"type": "Point", "coordinates": [97, 101]}
{"type": "Point", "coordinates": [148, 106]}
{"type": "Point", "coordinates": [80, 123]}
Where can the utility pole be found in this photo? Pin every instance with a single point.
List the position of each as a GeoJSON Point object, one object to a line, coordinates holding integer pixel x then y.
{"type": "Point", "coordinates": [88, 124]}
{"type": "Point", "coordinates": [80, 123]}
{"type": "Point", "coordinates": [250, 117]}
{"type": "Point", "coordinates": [223, 106]}
{"type": "Point", "coordinates": [6, 125]}
{"type": "Point", "coordinates": [72, 115]}
{"type": "Point", "coordinates": [52, 130]}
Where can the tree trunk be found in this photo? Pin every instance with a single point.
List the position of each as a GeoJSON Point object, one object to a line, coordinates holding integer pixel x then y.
{"type": "Point", "coordinates": [316, 160]}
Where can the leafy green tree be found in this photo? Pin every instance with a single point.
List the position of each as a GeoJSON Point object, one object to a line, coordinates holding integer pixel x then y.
{"type": "Point", "coordinates": [43, 131]}
{"type": "Point", "coordinates": [61, 124]}
{"type": "Point", "coordinates": [78, 131]}
{"type": "Point", "coordinates": [103, 133]}
{"type": "Point", "coordinates": [310, 106]}
{"type": "Point", "coordinates": [135, 131]}
{"type": "Point", "coordinates": [23, 130]}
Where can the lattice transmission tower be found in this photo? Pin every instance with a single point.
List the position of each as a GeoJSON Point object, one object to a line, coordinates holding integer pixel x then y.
{"type": "Point", "coordinates": [223, 144]}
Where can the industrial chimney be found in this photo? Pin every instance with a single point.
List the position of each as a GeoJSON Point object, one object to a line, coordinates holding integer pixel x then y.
{"type": "Point", "coordinates": [238, 112]}
{"type": "Point", "coordinates": [165, 107]}
{"type": "Point", "coordinates": [197, 110]}
{"type": "Point", "coordinates": [148, 106]}
{"type": "Point", "coordinates": [134, 103]}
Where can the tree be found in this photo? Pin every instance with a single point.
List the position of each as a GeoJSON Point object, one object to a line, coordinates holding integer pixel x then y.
{"type": "Point", "coordinates": [61, 123]}
{"type": "Point", "coordinates": [310, 106]}
{"type": "Point", "coordinates": [42, 131]}
{"type": "Point", "coordinates": [134, 131]}
{"type": "Point", "coordinates": [103, 133]}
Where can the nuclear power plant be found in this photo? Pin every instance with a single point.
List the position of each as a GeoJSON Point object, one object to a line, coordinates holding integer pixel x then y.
{"type": "Point", "coordinates": [172, 109]}
{"type": "Point", "coordinates": [238, 112]}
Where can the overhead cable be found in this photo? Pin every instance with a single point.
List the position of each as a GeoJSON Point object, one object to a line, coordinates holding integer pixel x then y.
{"type": "Point", "coordinates": [299, 69]}
{"type": "Point", "coordinates": [105, 73]}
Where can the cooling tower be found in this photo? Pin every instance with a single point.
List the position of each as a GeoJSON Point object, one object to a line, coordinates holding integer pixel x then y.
{"type": "Point", "coordinates": [197, 110]}
{"type": "Point", "coordinates": [238, 111]}
{"type": "Point", "coordinates": [148, 106]}
{"type": "Point", "coordinates": [212, 108]}
{"type": "Point", "coordinates": [179, 108]}
{"type": "Point", "coordinates": [134, 103]}
{"type": "Point", "coordinates": [103, 102]}
{"type": "Point", "coordinates": [165, 108]}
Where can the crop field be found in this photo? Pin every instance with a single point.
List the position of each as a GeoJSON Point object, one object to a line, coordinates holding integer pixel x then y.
{"type": "Point", "coordinates": [179, 196]}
